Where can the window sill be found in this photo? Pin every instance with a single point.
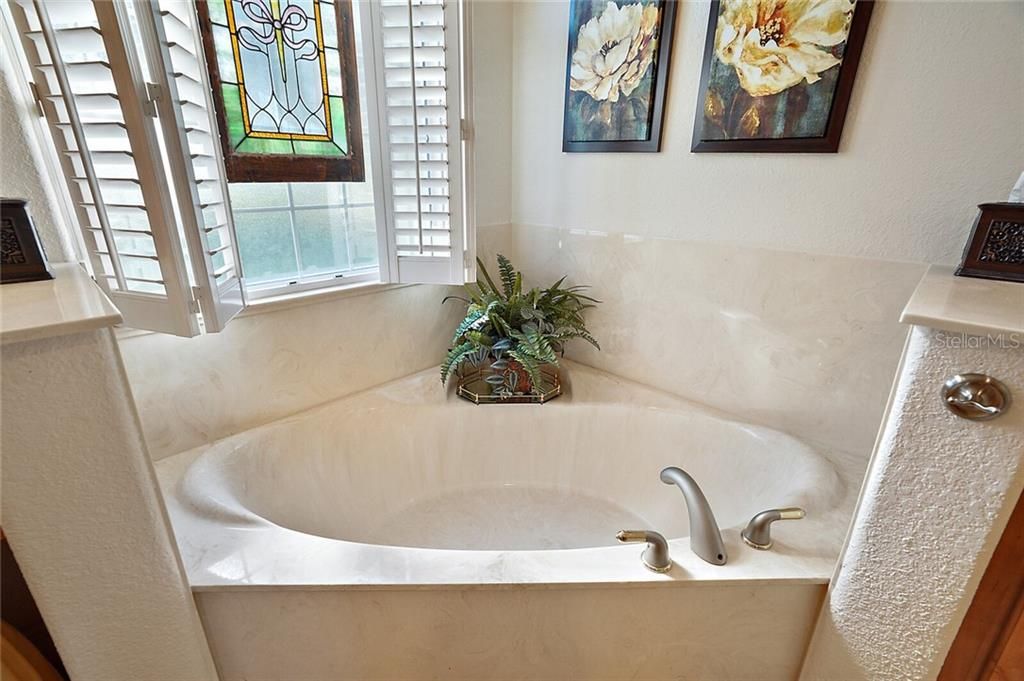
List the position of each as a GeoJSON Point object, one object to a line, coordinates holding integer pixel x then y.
{"type": "Point", "coordinates": [301, 298]}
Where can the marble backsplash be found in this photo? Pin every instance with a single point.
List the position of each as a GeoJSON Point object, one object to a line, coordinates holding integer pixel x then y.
{"type": "Point", "coordinates": [808, 344]}
{"type": "Point", "coordinates": [267, 365]}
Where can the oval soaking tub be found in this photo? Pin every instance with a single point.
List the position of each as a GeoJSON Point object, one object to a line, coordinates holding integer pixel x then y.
{"type": "Point", "coordinates": [404, 489]}
{"type": "Point", "coordinates": [404, 467]}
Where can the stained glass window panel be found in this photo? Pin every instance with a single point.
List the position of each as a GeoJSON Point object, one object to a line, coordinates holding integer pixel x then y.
{"type": "Point", "coordinates": [285, 79]}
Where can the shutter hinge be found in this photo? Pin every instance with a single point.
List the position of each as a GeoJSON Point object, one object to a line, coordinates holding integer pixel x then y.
{"type": "Point", "coordinates": [153, 95]}
{"type": "Point", "coordinates": [37, 99]}
{"type": "Point", "coordinates": [465, 130]}
{"type": "Point", "coordinates": [193, 303]}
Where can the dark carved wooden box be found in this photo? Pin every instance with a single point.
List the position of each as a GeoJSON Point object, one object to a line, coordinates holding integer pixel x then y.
{"type": "Point", "coordinates": [996, 247]}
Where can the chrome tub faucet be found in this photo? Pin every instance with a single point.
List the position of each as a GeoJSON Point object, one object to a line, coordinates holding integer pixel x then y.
{"type": "Point", "coordinates": [655, 556]}
{"type": "Point", "coordinates": [758, 532]}
{"type": "Point", "coordinates": [705, 537]}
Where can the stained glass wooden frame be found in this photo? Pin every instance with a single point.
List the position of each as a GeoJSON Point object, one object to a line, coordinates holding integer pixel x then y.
{"type": "Point", "coordinates": [263, 153]}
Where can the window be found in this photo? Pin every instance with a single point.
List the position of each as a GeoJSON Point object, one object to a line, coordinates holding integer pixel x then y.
{"type": "Point", "coordinates": [283, 76]}
{"type": "Point", "coordinates": [302, 235]}
{"type": "Point", "coordinates": [172, 233]}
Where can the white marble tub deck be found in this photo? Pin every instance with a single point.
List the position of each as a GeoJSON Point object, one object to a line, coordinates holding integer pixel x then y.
{"type": "Point", "coordinates": [322, 499]}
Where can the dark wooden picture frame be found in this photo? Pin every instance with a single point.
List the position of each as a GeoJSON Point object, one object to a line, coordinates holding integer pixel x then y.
{"type": "Point", "coordinates": [660, 65]}
{"type": "Point", "coordinates": [21, 255]}
{"type": "Point", "coordinates": [282, 167]}
{"type": "Point", "coordinates": [829, 141]}
{"type": "Point", "coordinates": [995, 249]}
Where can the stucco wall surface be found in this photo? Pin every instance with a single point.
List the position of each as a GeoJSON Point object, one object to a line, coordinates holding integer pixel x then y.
{"type": "Point", "coordinates": [84, 517]}
{"type": "Point", "coordinates": [937, 496]}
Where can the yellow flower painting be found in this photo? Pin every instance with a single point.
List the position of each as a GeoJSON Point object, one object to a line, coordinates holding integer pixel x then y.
{"type": "Point", "coordinates": [778, 71]}
{"type": "Point", "coordinates": [616, 73]}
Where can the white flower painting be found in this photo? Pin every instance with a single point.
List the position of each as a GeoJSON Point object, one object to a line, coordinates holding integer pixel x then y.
{"type": "Point", "coordinates": [615, 52]}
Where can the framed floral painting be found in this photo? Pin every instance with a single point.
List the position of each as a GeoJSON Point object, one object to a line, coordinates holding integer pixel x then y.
{"type": "Point", "coordinates": [778, 74]}
{"type": "Point", "coordinates": [616, 73]}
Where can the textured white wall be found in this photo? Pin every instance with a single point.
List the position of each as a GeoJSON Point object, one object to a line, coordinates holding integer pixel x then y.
{"type": "Point", "coordinates": [933, 129]}
{"type": "Point", "coordinates": [84, 516]}
{"type": "Point", "coordinates": [939, 492]}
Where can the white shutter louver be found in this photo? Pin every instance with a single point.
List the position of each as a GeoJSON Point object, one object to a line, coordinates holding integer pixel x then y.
{"type": "Point", "coordinates": [96, 103]}
{"type": "Point", "coordinates": [418, 56]}
{"type": "Point", "coordinates": [126, 93]}
{"type": "Point", "coordinates": [195, 157]}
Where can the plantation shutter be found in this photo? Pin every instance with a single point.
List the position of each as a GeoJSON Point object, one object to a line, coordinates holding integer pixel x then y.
{"type": "Point", "coordinates": [168, 28]}
{"type": "Point", "coordinates": [110, 127]}
{"type": "Point", "coordinates": [418, 57]}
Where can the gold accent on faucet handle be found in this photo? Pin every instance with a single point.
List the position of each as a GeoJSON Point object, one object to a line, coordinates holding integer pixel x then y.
{"type": "Point", "coordinates": [758, 532]}
{"type": "Point", "coordinates": [631, 535]}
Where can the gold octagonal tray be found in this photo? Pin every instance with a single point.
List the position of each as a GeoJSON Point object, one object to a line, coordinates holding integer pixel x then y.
{"type": "Point", "coordinates": [473, 386]}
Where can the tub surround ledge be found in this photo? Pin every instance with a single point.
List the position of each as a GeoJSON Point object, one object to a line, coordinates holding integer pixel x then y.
{"type": "Point", "coordinates": [69, 303]}
{"type": "Point", "coordinates": [965, 304]}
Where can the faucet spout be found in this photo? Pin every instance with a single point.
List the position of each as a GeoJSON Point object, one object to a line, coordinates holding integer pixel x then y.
{"type": "Point", "coordinates": [705, 537]}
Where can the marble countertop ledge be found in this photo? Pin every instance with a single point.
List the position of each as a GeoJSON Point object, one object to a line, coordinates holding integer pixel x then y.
{"type": "Point", "coordinates": [69, 303]}
{"type": "Point", "coordinates": [966, 305]}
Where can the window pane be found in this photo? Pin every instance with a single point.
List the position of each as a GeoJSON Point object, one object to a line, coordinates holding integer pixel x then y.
{"type": "Point", "coordinates": [334, 239]}
{"type": "Point", "coordinates": [359, 192]}
{"type": "Point", "coordinates": [258, 195]}
{"type": "Point", "coordinates": [323, 240]}
{"type": "Point", "coordinates": [362, 237]}
{"type": "Point", "coordinates": [317, 194]}
{"type": "Point", "coordinates": [265, 242]}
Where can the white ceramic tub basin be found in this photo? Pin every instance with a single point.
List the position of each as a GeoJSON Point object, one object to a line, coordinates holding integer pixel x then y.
{"type": "Point", "coordinates": [402, 476]}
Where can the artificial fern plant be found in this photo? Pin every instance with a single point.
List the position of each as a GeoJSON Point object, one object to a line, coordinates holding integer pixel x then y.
{"type": "Point", "coordinates": [513, 328]}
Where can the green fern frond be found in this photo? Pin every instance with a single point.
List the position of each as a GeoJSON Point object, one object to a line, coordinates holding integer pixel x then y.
{"type": "Point", "coordinates": [568, 334]}
{"type": "Point", "coordinates": [535, 344]}
{"type": "Point", "coordinates": [479, 339]}
{"type": "Point", "coordinates": [466, 324]}
{"type": "Point", "coordinates": [530, 365]}
{"type": "Point", "coordinates": [508, 275]}
{"type": "Point", "coordinates": [487, 285]}
{"type": "Point", "coordinates": [454, 358]}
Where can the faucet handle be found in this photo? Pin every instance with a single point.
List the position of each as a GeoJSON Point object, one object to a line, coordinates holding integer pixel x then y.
{"type": "Point", "coordinates": [655, 557]}
{"type": "Point", "coordinates": [758, 532]}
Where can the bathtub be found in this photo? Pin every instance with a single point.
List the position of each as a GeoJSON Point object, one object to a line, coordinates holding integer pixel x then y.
{"type": "Point", "coordinates": [404, 534]}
